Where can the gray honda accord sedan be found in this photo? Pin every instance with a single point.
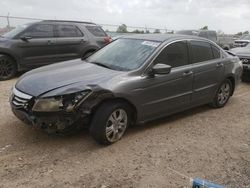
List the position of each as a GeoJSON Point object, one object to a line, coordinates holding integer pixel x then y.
{"type": "Point", "coordinates": [134, 79]}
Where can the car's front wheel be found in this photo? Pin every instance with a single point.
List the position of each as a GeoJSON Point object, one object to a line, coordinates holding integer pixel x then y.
{"type": "Point", "coordinates": [8, 68]}
{"type": "Point", "coordinates": [110, 122]}
{"type": "Point", "coordinates": [223, 94]}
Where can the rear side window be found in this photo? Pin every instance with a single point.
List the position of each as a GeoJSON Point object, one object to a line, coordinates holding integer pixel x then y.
{"type": "Point", "coordinates": [201, 51]}
{"type": "Point", "coordinates": [175, 55]}
{"type": "Point", "coordinates": [96, 31]}
{"type": "Point", "coordinates": [216, 52]}
{"type": "Point", "coordinates": [40, 31]}
{"type": "Point", "coordinates": [68, 31]}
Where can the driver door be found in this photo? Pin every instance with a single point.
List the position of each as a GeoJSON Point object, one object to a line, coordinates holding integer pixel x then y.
{"type": "Point", "coordinates": [39, 49]}
{"type": "Point", "coordinates": [168, 93]}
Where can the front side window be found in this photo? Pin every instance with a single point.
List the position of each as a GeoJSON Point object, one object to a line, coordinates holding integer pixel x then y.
{"type": "Point", "coordinates": [216, 52]}
{"type": "Point", "coordinates": [68, 31]}
{"type": "Point", "coordinates": [201, 51]}
{"type": "Point", "coordinates": [40, 31]}
{"type": "Point", "coordinates": [13, 33]}
{"type": "Point", "coordinates": [175, 55]}
{"type": "Point", "coordinates": [124, 54]}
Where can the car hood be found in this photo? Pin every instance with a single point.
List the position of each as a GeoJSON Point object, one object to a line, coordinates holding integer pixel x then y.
{"type": "Point", "coordinates": [64, 78]}
{"type": "Point", "coordinates": [245, 51]}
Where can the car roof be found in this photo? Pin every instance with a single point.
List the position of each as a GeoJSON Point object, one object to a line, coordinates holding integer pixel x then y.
{"type": "Point", "coordinates": [70, 21]}
{"type": "Point", "coordinates": [162, 37]}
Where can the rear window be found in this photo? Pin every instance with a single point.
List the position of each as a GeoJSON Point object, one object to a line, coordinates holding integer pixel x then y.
{"type": "Point", "coordinates": [96, 31]}
{"type": "Point", "coordinates": [201, 51]}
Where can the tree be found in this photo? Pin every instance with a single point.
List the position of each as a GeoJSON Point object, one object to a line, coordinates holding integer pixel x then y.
{"type": "Point", "coordinates": [157, 31]}
{"type": "Point", "coordinates": [122, 29]}
{"type": "Point", "coordinates": [204, 28]}
{"type": "Point", "coordinates": [246, 33]}
{"type": "Point", "coordinates": [137, 31]}
{"type": "Point", "coordinates": [147, 31]}
{"type": "Point", "coordinates": [239, 34]}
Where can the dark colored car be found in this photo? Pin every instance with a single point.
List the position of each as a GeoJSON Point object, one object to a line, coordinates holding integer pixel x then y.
{"type": "Point", "coordinates": [208, 34]}
{"type": "Point", "coordinates": [225, 42]}
{"type": "Point", "coordinates": [244, 54]}
{"type": "Point", "coordinates": [134, 79]}
{"type": "Point", "coordinates": [243, 41]}
{"type": "Point", "coordinates": [45, 42]}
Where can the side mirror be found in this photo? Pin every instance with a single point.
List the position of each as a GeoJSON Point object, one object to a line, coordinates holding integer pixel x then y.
{"type": "Point", "coordinates": [25, 38]}
{"type": "Point", "coordinates": [161, 69]}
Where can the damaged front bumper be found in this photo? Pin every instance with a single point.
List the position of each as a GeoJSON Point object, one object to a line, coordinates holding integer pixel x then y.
{"type": "Point", "coordinates": [52, 122]}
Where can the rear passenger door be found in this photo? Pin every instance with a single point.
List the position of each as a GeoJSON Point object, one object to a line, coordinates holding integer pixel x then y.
{"type": "Point", "coordinates": [70, 42]}
{"type": "Point", "coordinates": [208, 70]}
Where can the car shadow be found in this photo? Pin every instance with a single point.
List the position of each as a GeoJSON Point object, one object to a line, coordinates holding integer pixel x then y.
{"type": "Point", "coordinates": [165, 121]}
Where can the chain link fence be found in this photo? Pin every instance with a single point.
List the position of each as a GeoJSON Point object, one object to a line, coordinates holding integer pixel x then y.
{"type": "Point", "coordinates": [8, 23]}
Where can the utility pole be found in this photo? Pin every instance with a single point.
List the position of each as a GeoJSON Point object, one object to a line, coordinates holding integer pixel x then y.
{"type": "Point", "coordinates": [8, 21]}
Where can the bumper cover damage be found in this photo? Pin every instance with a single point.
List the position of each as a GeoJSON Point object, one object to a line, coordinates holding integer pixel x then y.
{"type": "Point", "coordinates": [62, 121]}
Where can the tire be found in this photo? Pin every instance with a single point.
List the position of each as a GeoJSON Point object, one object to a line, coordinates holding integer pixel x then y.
{"type": "Point", "coordinates": [223, 94]}
{"type": "Point", "coordinates": [8, 68]}
{"type": "Point", "coordinates": [110, 122]}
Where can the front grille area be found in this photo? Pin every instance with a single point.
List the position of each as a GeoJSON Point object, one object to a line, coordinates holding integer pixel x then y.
{"type": "Point", "coordinates": [245, 60]}
{"type": "Point", "coordinates": [20, 99]}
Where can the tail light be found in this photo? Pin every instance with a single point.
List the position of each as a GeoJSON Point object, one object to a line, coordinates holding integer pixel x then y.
{"type": "Point", "coordinates": [107, 40]}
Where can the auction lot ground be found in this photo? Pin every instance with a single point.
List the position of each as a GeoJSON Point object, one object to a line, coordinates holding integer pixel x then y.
{"type": "Point", "coordinates": [202, 142]}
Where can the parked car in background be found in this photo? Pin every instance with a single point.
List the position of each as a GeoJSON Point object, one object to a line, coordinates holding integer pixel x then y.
{"type": "Point", "coordinates": [45, 42]}
{"type": "Point", "coordinates": [134, 79]}
{"type": "Point", "coordinates": [243, 41]}
{"type": "Point", "coordinates": [225, 42]}
{"type": "Point", "coordinates": [208, 34]}
{"type": "Point", "coordinates": [244, 54]}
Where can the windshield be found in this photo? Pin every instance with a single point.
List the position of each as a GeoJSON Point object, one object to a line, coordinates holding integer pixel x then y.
{"type": "Point", "coordinates": [246, 37]}
{"type": "Point", "coordinates": [124, 54]}
{"type": "Point", "coordinates": [15, 31]}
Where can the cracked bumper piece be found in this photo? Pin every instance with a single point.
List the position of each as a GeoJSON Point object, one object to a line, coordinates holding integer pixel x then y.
{"type": "Point", "coordinates": [52, 122]}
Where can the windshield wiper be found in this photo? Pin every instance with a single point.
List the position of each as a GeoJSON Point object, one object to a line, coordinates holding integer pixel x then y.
{"type": "Point", "coordinates": [101, 64]}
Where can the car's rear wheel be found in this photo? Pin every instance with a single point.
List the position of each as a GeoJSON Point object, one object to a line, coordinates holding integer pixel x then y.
{"type": "Point", "coordinates": [110, 122]}
{"type": "Point", "coordinates": [223, 94]}
{"type": "Point", "coordinates": [8, 67]}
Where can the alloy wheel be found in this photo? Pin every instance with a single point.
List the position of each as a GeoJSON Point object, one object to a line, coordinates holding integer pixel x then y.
{"type": "Point", "coordinates": [6, 68]}
{"type": "Point", "coordinates": [116, 125]}
{"type": "Point", "coordinates": [224, 93]}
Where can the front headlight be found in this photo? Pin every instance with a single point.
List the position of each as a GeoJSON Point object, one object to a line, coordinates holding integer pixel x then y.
{"type": "Point", "coordinates": [65, 102]}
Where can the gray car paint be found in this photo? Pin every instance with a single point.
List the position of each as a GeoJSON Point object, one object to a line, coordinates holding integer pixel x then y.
{"type": "Point", "coordinates": [152, 96]}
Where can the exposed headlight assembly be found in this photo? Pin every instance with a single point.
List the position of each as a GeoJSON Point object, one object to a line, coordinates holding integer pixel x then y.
{"type": "Point", "coordinates": [60, 103]}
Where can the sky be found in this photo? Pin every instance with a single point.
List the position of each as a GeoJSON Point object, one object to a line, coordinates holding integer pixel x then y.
{"type": "Point", "coordinates": [229, 16]}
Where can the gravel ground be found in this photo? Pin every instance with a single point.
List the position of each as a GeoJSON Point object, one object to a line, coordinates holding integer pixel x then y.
{"type": "Point", "coordinates": [202, 142]}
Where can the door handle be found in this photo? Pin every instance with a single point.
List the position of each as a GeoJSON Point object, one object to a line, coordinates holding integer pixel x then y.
{"type": "Point", "coordinates": [219, 65]}
{"type": "Point", "coordinates": [83, 41]}
{"type": "Point", "coordinates": [50, 42]}
{"type": "Point", "coordinates": [187, 73]}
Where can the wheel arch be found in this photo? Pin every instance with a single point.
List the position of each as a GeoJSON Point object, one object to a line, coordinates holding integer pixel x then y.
{"type": "Point", "coordinates": [10, 55]}
{"type": "Point", "coordinates": [119, 99]}
{"type": "Point", "coordinates": [232, 80]}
